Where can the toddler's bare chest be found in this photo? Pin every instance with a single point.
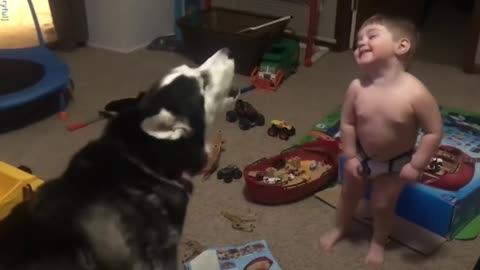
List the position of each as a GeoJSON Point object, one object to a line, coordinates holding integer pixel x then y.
{"type": "Point", "coordinates": [384, 109]}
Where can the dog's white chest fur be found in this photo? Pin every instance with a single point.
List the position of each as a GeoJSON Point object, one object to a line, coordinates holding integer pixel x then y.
{"type": "Point", "coordinates": [104, 229]}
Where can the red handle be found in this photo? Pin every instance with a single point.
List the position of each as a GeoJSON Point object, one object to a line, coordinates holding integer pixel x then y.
{"type": "Point", "coordinates": [76, 126]}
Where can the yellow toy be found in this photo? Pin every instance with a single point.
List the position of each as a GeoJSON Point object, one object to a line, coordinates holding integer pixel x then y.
{"type": "Point", "coordinates": [281, 128]}
{"type": "Point", "coordinates": [15, 186]}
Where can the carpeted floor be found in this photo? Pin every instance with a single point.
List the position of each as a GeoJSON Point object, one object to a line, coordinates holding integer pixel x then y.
{"type": "Point", "coordinates": [292, 231]}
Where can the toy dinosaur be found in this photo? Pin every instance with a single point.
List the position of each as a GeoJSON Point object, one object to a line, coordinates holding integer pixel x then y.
{"type": "Point", "coordinates": [240, 222]}
{"type": "Point", "coordinates": [214, 157]}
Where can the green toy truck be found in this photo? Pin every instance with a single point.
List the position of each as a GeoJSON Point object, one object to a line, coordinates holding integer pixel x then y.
{"type": "Point", "coordinates": [278, 62]}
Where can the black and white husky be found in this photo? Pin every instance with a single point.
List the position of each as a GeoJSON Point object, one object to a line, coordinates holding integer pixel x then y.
{"type": "Point", "coordinates": [120, 203]}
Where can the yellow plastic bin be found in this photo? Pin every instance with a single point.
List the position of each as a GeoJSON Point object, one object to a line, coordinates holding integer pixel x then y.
{"type": "Point", "coordinates": [13, 181]}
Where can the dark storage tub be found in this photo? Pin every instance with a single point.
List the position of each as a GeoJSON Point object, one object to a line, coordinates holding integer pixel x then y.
{"type": "Point", "coordinates": [204, 32]}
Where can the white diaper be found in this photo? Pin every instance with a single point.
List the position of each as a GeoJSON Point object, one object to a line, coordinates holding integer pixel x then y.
{"type": "Point", "coordinates": [372, 168]}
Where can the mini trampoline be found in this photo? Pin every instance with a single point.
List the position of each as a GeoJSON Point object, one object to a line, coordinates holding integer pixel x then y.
{"type": "Point", "coordinates": [34, 83]}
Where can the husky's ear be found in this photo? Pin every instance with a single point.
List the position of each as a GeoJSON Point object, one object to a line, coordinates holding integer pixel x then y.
{"type": "Point", "coordinates": [166, 126]}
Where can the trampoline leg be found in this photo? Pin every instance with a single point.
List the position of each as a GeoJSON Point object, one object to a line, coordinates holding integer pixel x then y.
{"type": "Point", "coordinates": [63, 115]}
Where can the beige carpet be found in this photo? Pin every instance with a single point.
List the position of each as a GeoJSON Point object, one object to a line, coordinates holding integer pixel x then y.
{"type": "Point", "coordinates": [292, 231]}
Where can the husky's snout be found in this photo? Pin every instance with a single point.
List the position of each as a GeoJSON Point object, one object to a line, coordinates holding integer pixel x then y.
{"type": "Point", "coordinates": [225, 52]}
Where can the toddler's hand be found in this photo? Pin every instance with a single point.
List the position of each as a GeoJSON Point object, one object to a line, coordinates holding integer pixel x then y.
{"type": "Point", "coordinates": [410, 173]}
{"type": "Point", "coordinates": [353, 167]}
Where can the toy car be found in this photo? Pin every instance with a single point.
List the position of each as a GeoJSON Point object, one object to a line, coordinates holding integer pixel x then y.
{"type": "Point", "coordinates": [279, 61]}
{"type": "Point", "coordinates": [246, 115]}
{"type": "Point", "coordinates": [282, 129]}
{"type": "Point", "coordinates": [228, 173]}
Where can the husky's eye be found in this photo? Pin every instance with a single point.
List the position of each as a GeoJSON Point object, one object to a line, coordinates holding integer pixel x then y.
{"type": "Point", "coordinates": [206, 79]}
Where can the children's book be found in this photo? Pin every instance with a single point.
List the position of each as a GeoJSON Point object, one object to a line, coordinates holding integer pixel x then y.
{"type": "Point", "coordinates": [251, 256]}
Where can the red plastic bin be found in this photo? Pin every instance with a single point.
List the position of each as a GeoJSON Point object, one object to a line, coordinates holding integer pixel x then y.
{"type": "Point", "coordinates": [321, 150]}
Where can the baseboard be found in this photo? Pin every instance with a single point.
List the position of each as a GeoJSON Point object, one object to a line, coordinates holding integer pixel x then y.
{"type": "Point", "coordinates": [120, 50]}
{"type": "Point", "coordinates": [471, 69]}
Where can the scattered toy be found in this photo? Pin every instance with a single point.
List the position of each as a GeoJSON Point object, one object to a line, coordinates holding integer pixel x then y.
{"type": "Point", "coordinates": [306, 177]}
{"type": "Point", "coordinates": [282, 129]}
{"type": "Point", "coordinates": [272, 180]}
{"type": "Point", "coordinates": [270, 171]}
{"type": "Point", "coordinates": [279, 62]}
{"type": "Point", "coordinates": [240, 222]}
{"type": "Point", "coordinates": [279, 163]}
{"type": "Point", "coordinates": [247, 89]}
{"type": "Point", "coordinates": [313, 166]}
{"type": "Point", "coordinates": [295, 171]}
{"type": "Point", "coordinates": [435, 165]}
{"type": "Point", "coordinates": [319, 154]}
{"type": "Point", "coordinates": [214, 156]}
{"type": "Point", "coordinates": [258, 175]}
{"type": "Point", "coordinates": [192, 248]}
{"type": "Point", "coordinates": [228, 173]}
{"type": "Point", "coordinates": [294, 163]}
{"type": "Point", "coordinates": [101, 116]}
{"type": "Point", "coordinates": [246, 115]}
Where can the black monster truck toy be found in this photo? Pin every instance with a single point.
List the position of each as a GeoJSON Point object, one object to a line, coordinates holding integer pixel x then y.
{"type": "Point", "coordinates": [228, 173]}
{"type": "Point", "coordinates": [246, 115]}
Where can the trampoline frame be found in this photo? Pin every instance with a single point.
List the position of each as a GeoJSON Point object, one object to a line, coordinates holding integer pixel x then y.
{"type": "Point", "coordinates": [56, 80]}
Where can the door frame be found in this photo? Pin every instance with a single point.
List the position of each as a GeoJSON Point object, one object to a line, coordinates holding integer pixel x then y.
{"type": "Point", "coordinates": [343, 24]}
{"type": "Point", "coordinates": [472, 40]}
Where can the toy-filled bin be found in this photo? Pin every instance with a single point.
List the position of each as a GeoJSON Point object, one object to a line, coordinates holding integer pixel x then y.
{"type": "Point", "coordinates": [13, 182]}
{"type": "Point", "coordinates": [322, 151]}
{"type": "Point", "coordinates": [204, 32]}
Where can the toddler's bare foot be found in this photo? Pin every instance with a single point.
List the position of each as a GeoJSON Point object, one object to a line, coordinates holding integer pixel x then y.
{"type": "Point", "coordinates": [329, 240]}
{"type": "Point", "coordinates": [375, 255]}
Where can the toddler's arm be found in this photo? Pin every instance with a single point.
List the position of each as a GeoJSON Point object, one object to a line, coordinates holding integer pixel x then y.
{"type": "Point", "coordinates": [430, 120]}
{"type": "Point", "coordinates": [347, 125]}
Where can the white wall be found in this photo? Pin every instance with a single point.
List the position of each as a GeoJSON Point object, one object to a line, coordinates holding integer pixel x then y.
{"type": "Point", "coordinates": [298, 9]}
{"type": "Point", "coordinates": [149, 20]}
{"type": "Point", "coordinates": [126, 25]}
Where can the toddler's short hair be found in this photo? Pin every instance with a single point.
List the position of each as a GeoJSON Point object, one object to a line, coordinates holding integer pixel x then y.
{"type": "Point", "coordinates": [400, 27]}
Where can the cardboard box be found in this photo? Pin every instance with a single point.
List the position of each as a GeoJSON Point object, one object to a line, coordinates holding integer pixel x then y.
{"type": "Point", "coordinates": [448, 197]}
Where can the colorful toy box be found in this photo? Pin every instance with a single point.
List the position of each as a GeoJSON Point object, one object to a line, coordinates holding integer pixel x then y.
{"type": "Point", "coordinates": [13, 185]}
{"type": "Point", "coordinates": [250, 256]}
{"type": "Point", "coordinates": [447, 197]}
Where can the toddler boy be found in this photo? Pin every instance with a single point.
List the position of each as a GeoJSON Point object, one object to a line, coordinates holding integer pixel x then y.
{"type": "Point", "coordinates": [382, 112]}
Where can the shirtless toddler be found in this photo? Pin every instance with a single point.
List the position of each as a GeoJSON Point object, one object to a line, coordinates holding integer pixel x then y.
{"type": "Point", "coordinates": [382, 112]}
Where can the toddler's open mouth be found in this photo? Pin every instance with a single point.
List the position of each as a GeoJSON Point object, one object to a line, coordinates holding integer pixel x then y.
{"type": "Point", "coordinates": [363, 51]}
